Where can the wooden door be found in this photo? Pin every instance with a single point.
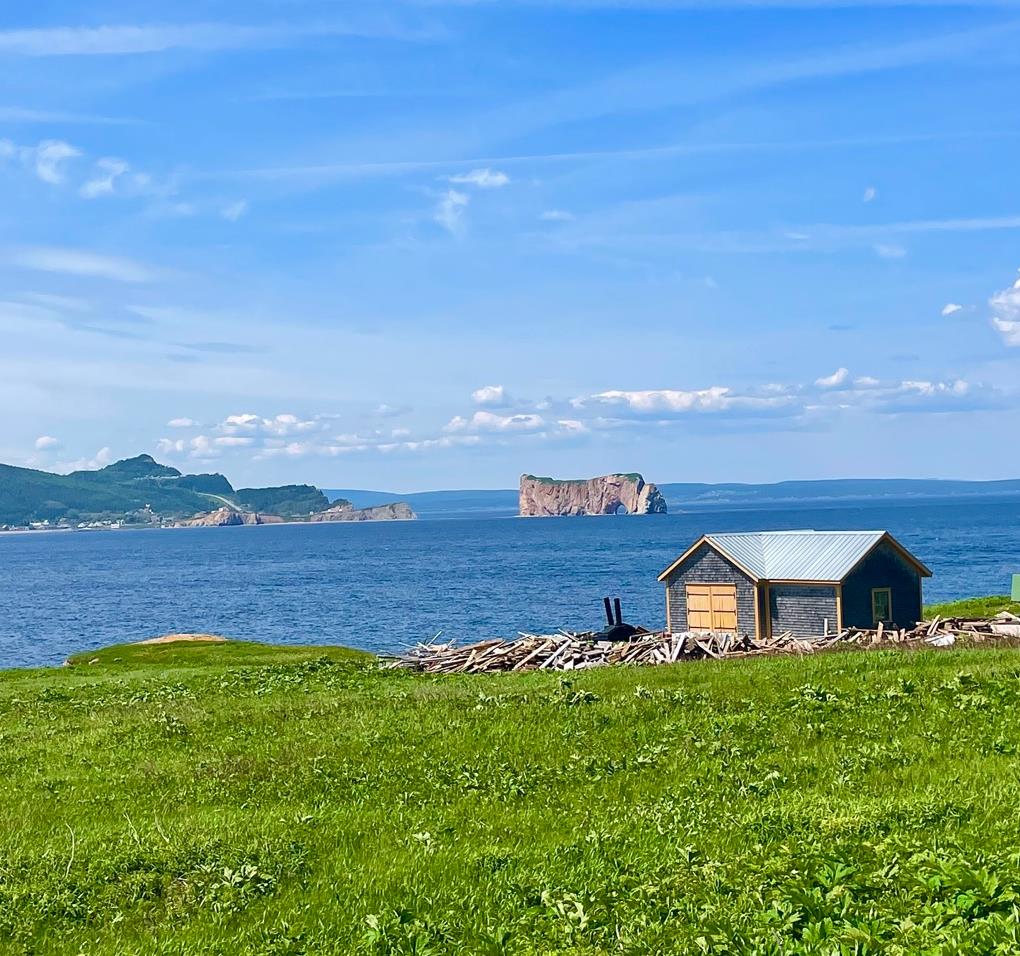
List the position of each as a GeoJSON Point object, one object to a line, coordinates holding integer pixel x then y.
{"type": "Point", "coordinates": [712, 607]}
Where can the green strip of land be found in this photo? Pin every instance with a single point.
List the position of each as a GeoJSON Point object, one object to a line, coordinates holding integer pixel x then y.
{"type": "Point", "coordinates": [237, 798]}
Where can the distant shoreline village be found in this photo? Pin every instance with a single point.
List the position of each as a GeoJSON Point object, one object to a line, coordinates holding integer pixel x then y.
{"type": "Point", "coordinates": [141, 493]}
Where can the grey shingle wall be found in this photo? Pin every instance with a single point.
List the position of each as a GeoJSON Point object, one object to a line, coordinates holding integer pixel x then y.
{"type": "Point", "coordinates": [706, 566]}
{"type": "Point", "coordinates": [802, 609]}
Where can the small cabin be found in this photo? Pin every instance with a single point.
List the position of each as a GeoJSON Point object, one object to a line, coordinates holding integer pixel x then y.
{"type": "Point", "coordinates": [807, 583]}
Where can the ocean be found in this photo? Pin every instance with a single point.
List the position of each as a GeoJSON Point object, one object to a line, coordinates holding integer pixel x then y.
{"type": "Point", "coordinates": [382, 586]}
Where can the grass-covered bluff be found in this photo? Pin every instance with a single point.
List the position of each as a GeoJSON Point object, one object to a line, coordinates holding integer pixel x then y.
{"type": "Point", "coordinates": [238, 798]}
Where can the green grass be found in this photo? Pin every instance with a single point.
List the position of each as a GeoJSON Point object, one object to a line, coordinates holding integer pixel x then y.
{"type": "Point", "coordinates": [225, 799]}
{"type": "Point", "coordinates": [973, 607]}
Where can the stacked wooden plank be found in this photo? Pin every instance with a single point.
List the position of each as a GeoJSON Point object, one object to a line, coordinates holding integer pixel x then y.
{"type": "Point", "coordinates": [568, 651]}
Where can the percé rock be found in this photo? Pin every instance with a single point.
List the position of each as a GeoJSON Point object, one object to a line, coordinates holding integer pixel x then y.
{"type": "Point", "coordinates": [227, 517]}
{"type": "Point", "coordinates": [345, 511]}
{"type": "Point", "coordinates": [549, 497]}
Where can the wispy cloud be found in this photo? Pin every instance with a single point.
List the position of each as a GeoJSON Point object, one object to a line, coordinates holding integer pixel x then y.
{"type": "Point", "coordinates": [834, 380]}
{"type": "Point", "coordinates": [449, 211]}
{"type": "Point", "coordinates": [889, 250]}
{"type": "Point", "coordinates": [482, 178]}
{"type": "Point", "coordinates": [671, 401]}
{"type": "Point", "coordinates": [235, 210]}
{"type": "Point", "coordinates": [951, 308]}
{"type": "Point", "coordinates": [48, 160]}
{"type": "Point", "coordinates": [109, 171]}
{"type": "Point", "coordinates": [18, 114]}
{"type": "Point", "coordinates": [1005, 306]}
{"type": "Point", "coordinates": [491, 422]}
{"type": "Point", "coordinates": [128, 39]}
{"type": "Point", "coordinates": [81, 262]}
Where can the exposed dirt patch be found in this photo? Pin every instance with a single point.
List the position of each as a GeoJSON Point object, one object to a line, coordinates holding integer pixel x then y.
{"type": "Point", "coordinates": [181, 638]}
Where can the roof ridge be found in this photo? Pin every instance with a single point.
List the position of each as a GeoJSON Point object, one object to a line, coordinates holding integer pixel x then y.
{"type": "Point", "coordinates": [758, 534]}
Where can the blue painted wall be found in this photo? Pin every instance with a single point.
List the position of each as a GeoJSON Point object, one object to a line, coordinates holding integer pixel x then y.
{"type": "Point", "coordinates": [883, 568]}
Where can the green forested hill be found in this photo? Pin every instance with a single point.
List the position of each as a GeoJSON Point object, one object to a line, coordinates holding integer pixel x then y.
{"type": "Point", "coordinates": [288, 500]}
{"type": "Point", "coordinates": [136, 489]}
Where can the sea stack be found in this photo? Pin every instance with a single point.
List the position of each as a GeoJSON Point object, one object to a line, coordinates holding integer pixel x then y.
{"type": "Point", "coordinates": [609, 495]}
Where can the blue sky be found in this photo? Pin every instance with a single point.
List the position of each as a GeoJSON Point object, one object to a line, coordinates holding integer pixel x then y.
{"type": "Point", "coordinates": [414, 245]}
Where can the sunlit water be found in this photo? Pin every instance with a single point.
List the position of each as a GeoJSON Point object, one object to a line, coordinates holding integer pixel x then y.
{"type": "Point", "coordinates": [383, 586]}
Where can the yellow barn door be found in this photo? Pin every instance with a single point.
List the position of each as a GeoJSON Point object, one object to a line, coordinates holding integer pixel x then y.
{"type": "Point", "coordinates": [712, 607]}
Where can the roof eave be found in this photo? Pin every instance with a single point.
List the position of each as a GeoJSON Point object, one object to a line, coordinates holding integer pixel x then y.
{"type": "Point", "coordinates": [706, 539]}
{"type": "Point", "coordinates": [887, 538]}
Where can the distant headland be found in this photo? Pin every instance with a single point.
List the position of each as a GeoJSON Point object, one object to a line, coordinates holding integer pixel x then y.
{"type": "Point", "coordinates": [141, 493]}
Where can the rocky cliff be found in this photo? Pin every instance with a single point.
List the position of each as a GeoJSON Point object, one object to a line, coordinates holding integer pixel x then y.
{"type": "Point", "coordinates": [609, 495]}
{"type": "Point", "coordinates": [345, 511]}
{"type": "Point", "coordinates": [227, 517]}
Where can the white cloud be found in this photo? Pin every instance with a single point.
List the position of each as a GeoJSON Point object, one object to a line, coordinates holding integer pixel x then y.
{"type": "Point", "coordinates": [556, 215]}
{"type": "Point", "coordinates": [951, 308]}
{"type": "Point", "coordinates": [908, 396]}
{"type": "Point", "coordinates": [449, 212]}
{"type": "Point", "coordinates": [46, 443]}
{"type": "Point", "coordinates": [180, 423]}
{"type": "Point", "coordinates": [278, 426]}
{"type": "Point", "coordinates": [234, 210]}
{"type": "Point", "coordinates": [101, 459]}
{"type": "Point", "coordinates": [80, 262]}
{"type": "Point", "coordinates": [493, 395]}
{"type": "Point", "coordinates": [490, 422]}
{"type": "Point", "coordinates": [870, 193]}
{"type": "Point", "coordinates": [47, 160]}
{"type": "Point", "coordinates": [390, 411]}
{"type": "Point", "coordinates": [50, 159]}
{"type": "Point", "coordinates": [834, 380]}
{"type": "Point", "coordinates": [203, 447]}
{"type": "Point", "coordinates": [482, 178]}
{"type": "Point", "coordinates": [889, 251]}
{"type": "Point", "coordinates": [171, 446]}
{"type": "Point", "coordinates": [105, 182]}
{"type": "Point", "coordinates": [572, 426]}
{"type": "Point", "coordinates": [1005, 308]}
{"type": "Point", "coordinates": [714, 398]}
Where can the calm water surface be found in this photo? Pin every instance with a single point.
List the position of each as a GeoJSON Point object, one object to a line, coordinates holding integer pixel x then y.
{"type": "Point", "coordinates": [383, 586]}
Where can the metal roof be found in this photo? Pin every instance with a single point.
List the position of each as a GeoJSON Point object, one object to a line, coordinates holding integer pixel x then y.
{"type": "Point", "coordinates": [797, 555]}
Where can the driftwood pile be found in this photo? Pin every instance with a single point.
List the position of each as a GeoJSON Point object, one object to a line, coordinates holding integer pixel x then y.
{"type": "Point", "coordinates": [567, 651]}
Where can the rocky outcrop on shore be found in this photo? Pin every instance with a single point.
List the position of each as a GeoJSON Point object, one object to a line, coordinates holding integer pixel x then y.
{"type": "Point", "coordinates": [608, 495]}
{"type": "Point", "coordinates": [227, 517]}
{"type": "Point", "coordinates": [345, 511]}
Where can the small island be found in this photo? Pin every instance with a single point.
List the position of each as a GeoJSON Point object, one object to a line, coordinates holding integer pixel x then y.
{"type": "Point", "coordinates": [609, 495]}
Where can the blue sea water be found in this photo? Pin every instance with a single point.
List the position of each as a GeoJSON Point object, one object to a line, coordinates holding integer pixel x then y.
{"type": "Point", "coordinates": [383, 586]}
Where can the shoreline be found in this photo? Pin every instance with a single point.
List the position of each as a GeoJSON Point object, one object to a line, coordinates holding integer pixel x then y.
{"type": "Point", "coordinates": [180, 527]}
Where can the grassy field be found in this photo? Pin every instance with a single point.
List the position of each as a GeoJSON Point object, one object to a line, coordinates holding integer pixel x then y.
{"type": "Point", "coordinates": [232, 798]}
{"type": "Point", "coordinates": [974, 607]}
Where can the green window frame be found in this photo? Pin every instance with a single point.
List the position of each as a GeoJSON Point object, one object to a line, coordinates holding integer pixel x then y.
{"type": "Point", "coordinates": [881, 605]}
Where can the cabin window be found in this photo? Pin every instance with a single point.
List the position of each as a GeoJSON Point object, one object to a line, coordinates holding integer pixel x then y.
{"type": "Point", "coordinates": [881, 605]}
